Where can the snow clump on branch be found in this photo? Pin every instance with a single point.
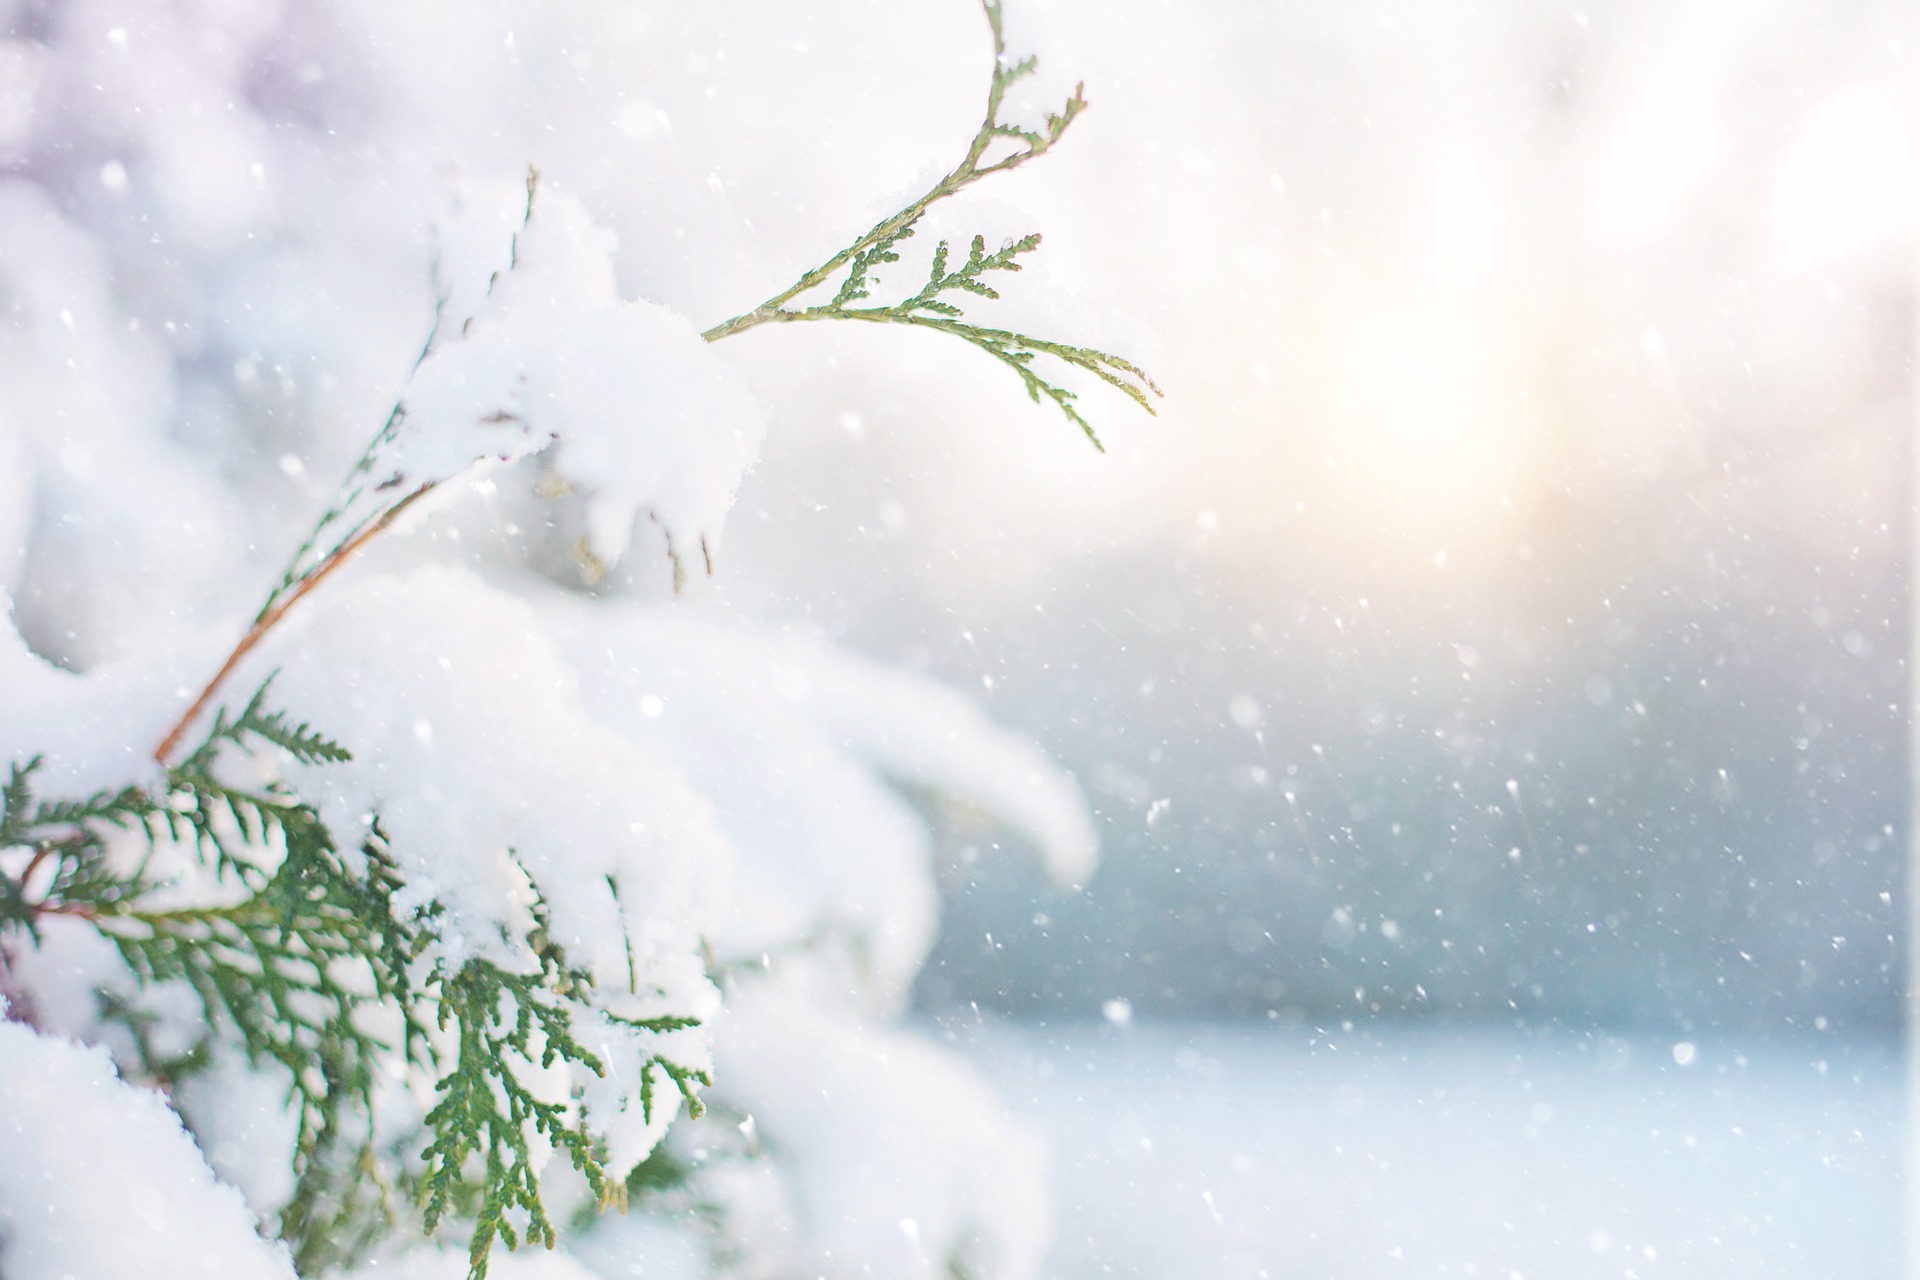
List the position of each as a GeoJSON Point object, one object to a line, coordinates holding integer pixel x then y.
{"type": "Point", "coordinates": [642, 415]}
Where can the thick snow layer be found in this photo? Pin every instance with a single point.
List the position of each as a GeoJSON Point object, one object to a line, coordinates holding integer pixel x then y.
{"type": "Point", "coordinates": [431, 1263]}
{"type": "Point", "coordinates": [56, 984]}
{"type": "Point", "coordinates": [91, 732]}
{"type": "Point", "coordinates": [921, 733]}
{"type": "Point", "coordinates": [793, 741]}
{"type": "Point", "coordinates": [100, 1182]}
{"type": "Point", "coordinates": [903, 1161]}
{"type": "Point", "coordinates": [624, 1245]}
{"type": "Point", "coordinates": [444, 681]}
{"type": "Point", "coordinates": [649, 419]}
{"type": "Point", "coordinates": [477, 759]}
{"type": "Point", "coordinates": [244, 1126]}
{"type": "Point", "coordinates": [87, 400]}
{"type": "Point", "coordinates": [438, 1263]}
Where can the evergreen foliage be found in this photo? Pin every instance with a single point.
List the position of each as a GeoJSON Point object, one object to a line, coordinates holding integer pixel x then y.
{"type": "Point", "coordinates": [486, 1112]}
{"type": "Point", "coordinates": [286, 972]}
{"type": "Point", "coordinates": [997, 147]}
{"type": "Point", "coordinates": [294, 946]}
{"type": "Point", "coordinates": [296, 971]}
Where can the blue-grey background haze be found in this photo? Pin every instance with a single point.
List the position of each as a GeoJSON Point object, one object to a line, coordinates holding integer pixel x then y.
{"type": "Point", "coordinates": [1505, 619]}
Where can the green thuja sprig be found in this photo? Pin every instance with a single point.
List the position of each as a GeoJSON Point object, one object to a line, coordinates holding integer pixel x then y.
{"type": "Point", "coordinates": [997, 147]}
{"type": "Point", "coordinates": [290, 971]}
{"type": "Point", "coordinates": [372, 497]}
{"type": "Point", "coordinates": [486, 1113]}
{"type": "Point", "coordinates": [302, 963]}
{"type": "Point", "coordinates": [368, 503]}
{"type": "Point", "coordinates": [256, 721]}
{"type": "Point", "coordinates": [66, 851]}
{"type": "Point", "coordinates": [487, 1118]}
{"type": "Point", "coordinates": [302, 969]}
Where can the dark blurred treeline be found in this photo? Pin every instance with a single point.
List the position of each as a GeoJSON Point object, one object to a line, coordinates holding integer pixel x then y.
{"type": "Point", "coordinates": [1650, 771]}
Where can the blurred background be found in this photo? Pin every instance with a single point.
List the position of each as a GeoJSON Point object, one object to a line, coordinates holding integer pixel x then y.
{"type": "Point", "coordinates": [1489, 665]}
{"type": "Point", "coordinates": [1505, 617]}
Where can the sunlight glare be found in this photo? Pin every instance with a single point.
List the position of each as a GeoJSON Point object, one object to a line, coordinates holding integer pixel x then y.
{"type": "Point", "coordinates": [1428, 416]}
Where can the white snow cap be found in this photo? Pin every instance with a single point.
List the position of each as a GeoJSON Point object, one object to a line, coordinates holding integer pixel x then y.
{"type": "Point", "coordinates": [444, 682]}
{"type": "Point", "coordinates": [902, 1159]}
{"type": "Point", "coordinates": [794, 742]}
{"type": "Point", "coordinates": [437, 1263]}
{"type": "Point", "coordinates": [91, 732]}
{"type": "Point", "coordinates": [490, 780]}
{"type": "Point", "coordinates": [101, 1182]}
{"type": "Point", "coordinates": [649, 419]}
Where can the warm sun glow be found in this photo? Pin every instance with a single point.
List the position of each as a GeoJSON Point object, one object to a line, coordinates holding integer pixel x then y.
{"type": "Point", "coordinates": [1426, 417]}
{"type": "Point", "coordinates": [1843, 186]}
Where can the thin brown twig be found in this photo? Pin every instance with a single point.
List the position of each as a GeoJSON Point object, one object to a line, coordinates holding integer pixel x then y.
{"type": "Point", "coordinates": [33, 864]}
{"type": "Point", "coordinates": [969, 171]}
{"type": "Point", "coordinates": [278, 610]}
{"type": "Point", "coordinates": [79, 910]}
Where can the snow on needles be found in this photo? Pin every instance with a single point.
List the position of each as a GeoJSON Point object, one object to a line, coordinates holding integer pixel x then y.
{"type": "Point", "coordinates": [649, 419]}
{"type": "Point", "coordinates": [100, 1181]}
{"type": "Point", "coordinates": [794, 740]}
{"type": "Point", "coordinates": [490, 783]}
{"type": "Point", "coordinates": [932, 1172]}
{"type": "Point", "coordinates": [445, 682]}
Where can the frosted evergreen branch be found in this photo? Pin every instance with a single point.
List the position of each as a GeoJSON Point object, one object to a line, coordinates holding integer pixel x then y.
{"type": "Point", "coordinates": [15, 798]}
{"type": "Point", "coordinates": [288, 972]}
{"type": "Point", "coordinates": [67, 872]}
{"type": "Point", "coordinates": [1015, 350]}
{"type": "Point", "coordinates": [487, 1114]}
{"type": "Point", "coordinates": [255, 721]}
{"type": "Point", "coordinates": [16, 910]}
{"type": "Point", "coordinates": [878, 248]}
{"type": "Point", "coordinates": [278, 607]}
{"type": "Point", "coordinates": [305, 561]}
{"type": "Point", "coordinates": [308, 567]}
{"type": "Point", "coordinates": [285, 972]}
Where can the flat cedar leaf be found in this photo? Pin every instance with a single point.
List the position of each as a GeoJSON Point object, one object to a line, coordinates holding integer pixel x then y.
{"type": "Point", "coordinates": [485, 1111]}
{"type": "Point", "coordinates": [926, 308]}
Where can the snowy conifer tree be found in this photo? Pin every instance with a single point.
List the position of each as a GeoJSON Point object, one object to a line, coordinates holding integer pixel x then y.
{"type": "Point", "coordinates": [375, 899]}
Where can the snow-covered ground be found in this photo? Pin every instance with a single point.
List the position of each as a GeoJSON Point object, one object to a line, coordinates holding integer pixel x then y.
{"type": "Point", "coordinates": [1216, 1152]}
